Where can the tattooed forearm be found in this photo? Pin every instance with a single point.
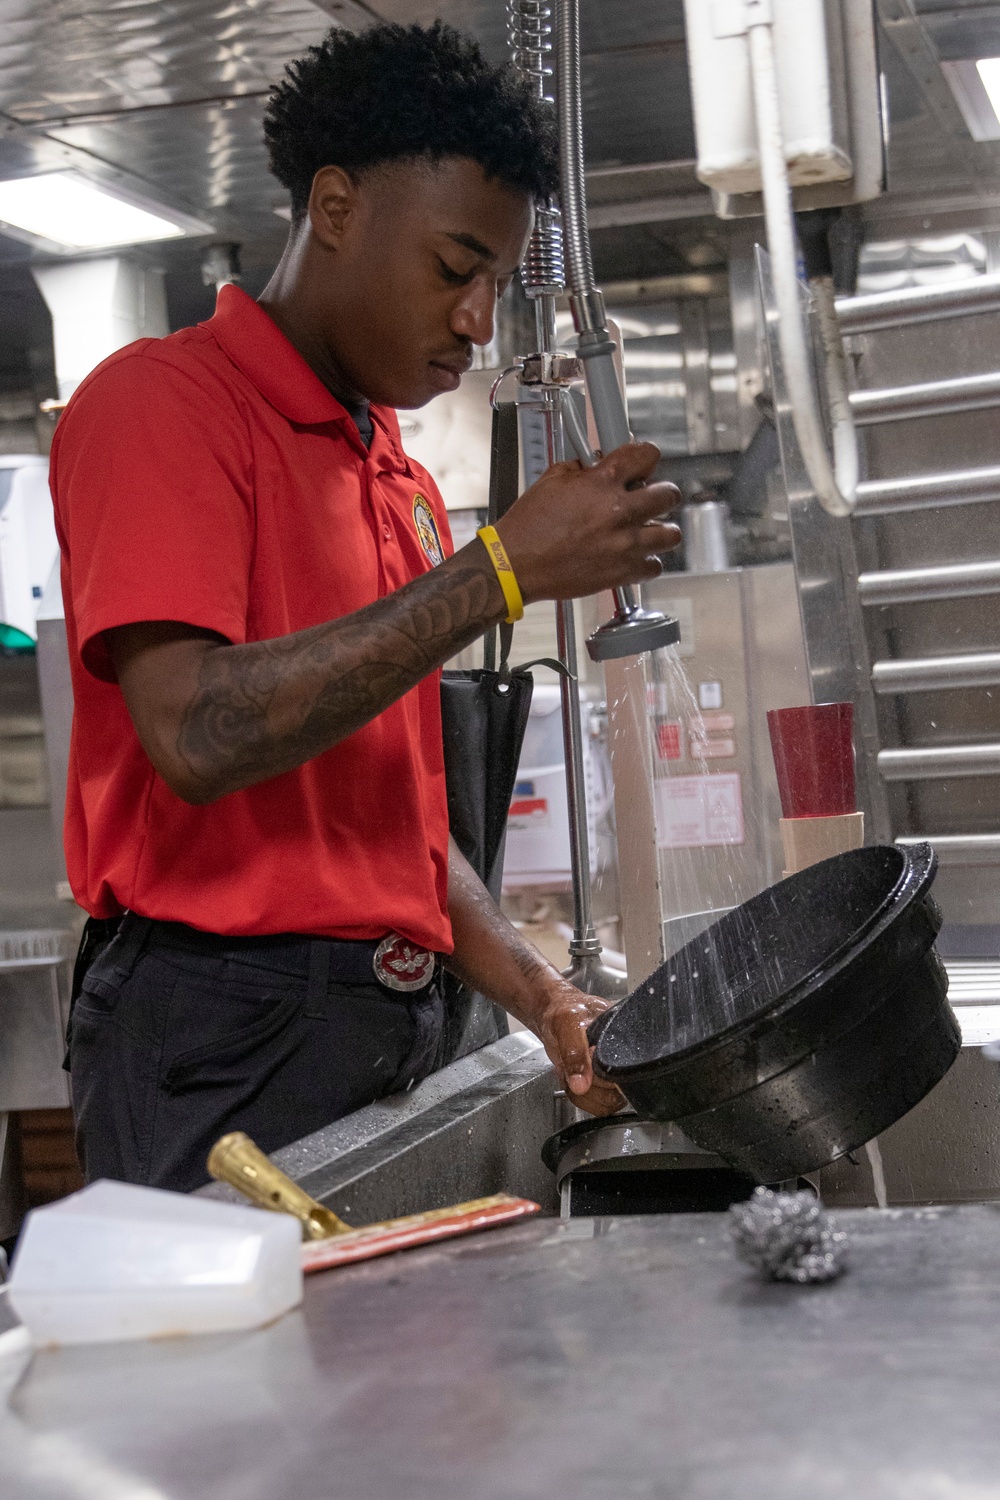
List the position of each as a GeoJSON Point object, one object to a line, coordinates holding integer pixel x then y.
{"type": "Point", "coordinates": [264, 708]}
{"type": "Point", "coordinates": [490, 954]}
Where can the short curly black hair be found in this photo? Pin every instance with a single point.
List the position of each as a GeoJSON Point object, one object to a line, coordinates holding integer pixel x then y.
{"type": "Point", "coordinates": [401, 92]}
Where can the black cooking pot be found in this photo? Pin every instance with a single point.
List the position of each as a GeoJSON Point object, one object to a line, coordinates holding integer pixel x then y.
{"type": "Point", "coordinates": [800, 1025]}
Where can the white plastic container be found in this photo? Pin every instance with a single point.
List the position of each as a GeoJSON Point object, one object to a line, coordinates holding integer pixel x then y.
{"type": "Point", "coordinates": [809, 52]}
{"type": "Point", "coordinates": [121, 1262]}
{"type": "Point", "coordinates": [830, 102]}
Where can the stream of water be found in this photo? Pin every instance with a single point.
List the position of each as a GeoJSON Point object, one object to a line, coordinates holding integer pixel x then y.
{"type": "Point", "coordinates": [878, 1174]}
{"type": "Point", "coordinates": [706, 841]}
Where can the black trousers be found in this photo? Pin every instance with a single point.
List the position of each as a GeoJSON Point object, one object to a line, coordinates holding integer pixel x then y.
{"type": "Point", "coordinates": [177, 1037]}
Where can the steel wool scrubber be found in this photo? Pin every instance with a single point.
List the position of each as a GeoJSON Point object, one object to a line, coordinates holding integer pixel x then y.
{"type": "Point", "coordinates": [787, 1237]}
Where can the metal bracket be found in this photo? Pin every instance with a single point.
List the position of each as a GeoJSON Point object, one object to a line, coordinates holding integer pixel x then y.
{"type": "Point", "coordinates": [550, 368]}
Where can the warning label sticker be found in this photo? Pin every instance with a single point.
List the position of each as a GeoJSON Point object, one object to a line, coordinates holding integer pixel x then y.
{"type": "Point", "coordinates": [698, 812]}
{"type": "Point", "coordinates": [668, 741]}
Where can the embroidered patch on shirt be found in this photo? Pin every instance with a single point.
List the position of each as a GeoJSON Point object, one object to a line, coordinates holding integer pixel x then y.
{"type": "Point", "coordinates": [427, 532]}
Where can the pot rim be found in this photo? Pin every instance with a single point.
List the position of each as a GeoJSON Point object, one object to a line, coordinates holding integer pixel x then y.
{"type": "Point", "coordinates": [917, 872]}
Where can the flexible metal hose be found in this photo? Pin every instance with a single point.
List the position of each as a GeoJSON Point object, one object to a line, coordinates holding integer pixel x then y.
{"type": "Point", "coordinates": [586, 300]}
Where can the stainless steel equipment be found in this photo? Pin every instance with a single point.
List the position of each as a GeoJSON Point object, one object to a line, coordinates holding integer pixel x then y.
{"type": "Point", "coordinates": [706, 544]}
{"type": "Point", "coordinates": [626, 1357]}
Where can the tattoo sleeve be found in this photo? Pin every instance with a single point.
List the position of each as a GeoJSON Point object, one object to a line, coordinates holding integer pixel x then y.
{"type": "Point", "coordinates": [263, 708]}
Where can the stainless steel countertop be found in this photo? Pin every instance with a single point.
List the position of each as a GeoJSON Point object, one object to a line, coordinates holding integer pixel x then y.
{"type": "Point", "coordinates": [616, 1359]}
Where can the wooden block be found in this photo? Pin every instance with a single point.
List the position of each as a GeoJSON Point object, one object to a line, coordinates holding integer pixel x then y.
{"type": "Point", "coordinates": [806, 841]}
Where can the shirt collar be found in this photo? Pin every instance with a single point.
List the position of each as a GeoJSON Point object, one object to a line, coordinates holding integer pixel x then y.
{"type": "Point", "coordinates": [256, 345]}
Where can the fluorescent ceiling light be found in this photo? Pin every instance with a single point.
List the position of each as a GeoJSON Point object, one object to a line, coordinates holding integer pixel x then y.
{"type": "Point", "coordinates": [988, 69]}
{"type": "Point", "coordinates": [69, 211]}
{"type": "Point", "coordinates": [976, 87]}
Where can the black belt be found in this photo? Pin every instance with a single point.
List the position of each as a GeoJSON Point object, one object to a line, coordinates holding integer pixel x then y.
{"type": "Point", "coordinates": [400, 966]}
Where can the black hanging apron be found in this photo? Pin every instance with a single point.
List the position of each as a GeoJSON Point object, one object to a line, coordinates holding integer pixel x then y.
{"type": "Point", "coordinates": [484, 714]}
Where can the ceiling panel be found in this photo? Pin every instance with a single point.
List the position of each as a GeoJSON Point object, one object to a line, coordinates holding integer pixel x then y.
{"type": "Point", "coordinates": [637, 106]}
{"type": "Point", "coordinates": [67, 57]}
{"type": "Point", "coordinates": [957, 35]}
{"type": "Point", "coordinates": [206, 157]}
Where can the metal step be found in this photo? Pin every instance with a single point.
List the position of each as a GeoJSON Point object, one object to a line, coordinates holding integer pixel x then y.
{"type": "Point", "coordinates": [973, 981]}
{"type": "Point", "coordinates": [928, 674]}
{"type": "Point", "coordinates": [881, 497]}
{"type": "Point", "coordinates": [929, 398]}
{"type": "Point", "coordinates": [959, 848]}
{"type": "Point", "coordinates": [918, 585]}
{"type": "Point", "coordinates": [925, 304]}
{"type": "Point", "coordinates": [939, 762]}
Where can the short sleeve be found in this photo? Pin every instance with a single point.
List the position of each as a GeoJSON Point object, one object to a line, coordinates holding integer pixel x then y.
{"type": "Point", "coordinates": [152, 485]}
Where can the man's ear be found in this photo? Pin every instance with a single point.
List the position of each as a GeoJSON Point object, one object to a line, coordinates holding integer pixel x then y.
{"type": "Point", "coordinates": [333, 200]}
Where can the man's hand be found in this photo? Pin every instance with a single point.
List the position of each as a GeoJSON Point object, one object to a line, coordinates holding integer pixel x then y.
{"type": "Point", "coordinates": [578, 531]}
{"type": "Point", "coordinates": [561, 1025]}
{"type": "Point", "coordinates": [491, 956]}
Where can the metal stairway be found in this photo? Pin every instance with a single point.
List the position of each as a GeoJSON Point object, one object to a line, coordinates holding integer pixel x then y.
{"type": "Point", "coordinates": [901, 606]}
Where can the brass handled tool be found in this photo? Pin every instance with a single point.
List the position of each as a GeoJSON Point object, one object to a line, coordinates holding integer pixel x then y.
{"type": "Point", "coordinates": [236, 1160]}
{"type": "Point", "coordinates": [329, 1241]}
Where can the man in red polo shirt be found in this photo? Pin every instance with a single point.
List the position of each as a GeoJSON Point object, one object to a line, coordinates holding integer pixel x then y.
{"type": "Point", "coordinates": [260, 590]}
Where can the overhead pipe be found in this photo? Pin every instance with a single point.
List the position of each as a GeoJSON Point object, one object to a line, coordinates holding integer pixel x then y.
{"type": "Point", "coordinates": [835, 483]}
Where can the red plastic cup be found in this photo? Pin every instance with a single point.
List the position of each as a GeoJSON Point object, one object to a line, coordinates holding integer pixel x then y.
{"type": "Point", "coordinates": [813, 750]}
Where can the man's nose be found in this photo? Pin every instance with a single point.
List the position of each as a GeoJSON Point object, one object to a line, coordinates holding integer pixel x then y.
{"type": "Point", "coordinates": [473, 315]}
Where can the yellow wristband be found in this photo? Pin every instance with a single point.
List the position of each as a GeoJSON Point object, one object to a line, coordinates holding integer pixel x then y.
{"type": "Point", "coordinates": [504, 571]}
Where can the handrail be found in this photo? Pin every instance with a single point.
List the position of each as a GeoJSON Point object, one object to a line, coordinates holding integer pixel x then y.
{"type": "Point", "coordinates": [923, 304]}
{"type": "Point", "coordinates": [881, 497]}
{"type": "Point", "coordinates": [928, 674]}
{"type": "Point", "coordinates": [929, 398]}
{"type": "Point", "coordinates": [918, 585]}
{"type": "Point", "coordinates": [939, 762]}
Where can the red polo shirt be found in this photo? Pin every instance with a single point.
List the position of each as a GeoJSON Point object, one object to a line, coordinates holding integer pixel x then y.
{"type": "Point", "coordinates": [211, 478]}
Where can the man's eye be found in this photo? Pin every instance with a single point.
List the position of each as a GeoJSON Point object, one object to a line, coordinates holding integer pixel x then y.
{"type": "Point", "coordinates": [456, 278]}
